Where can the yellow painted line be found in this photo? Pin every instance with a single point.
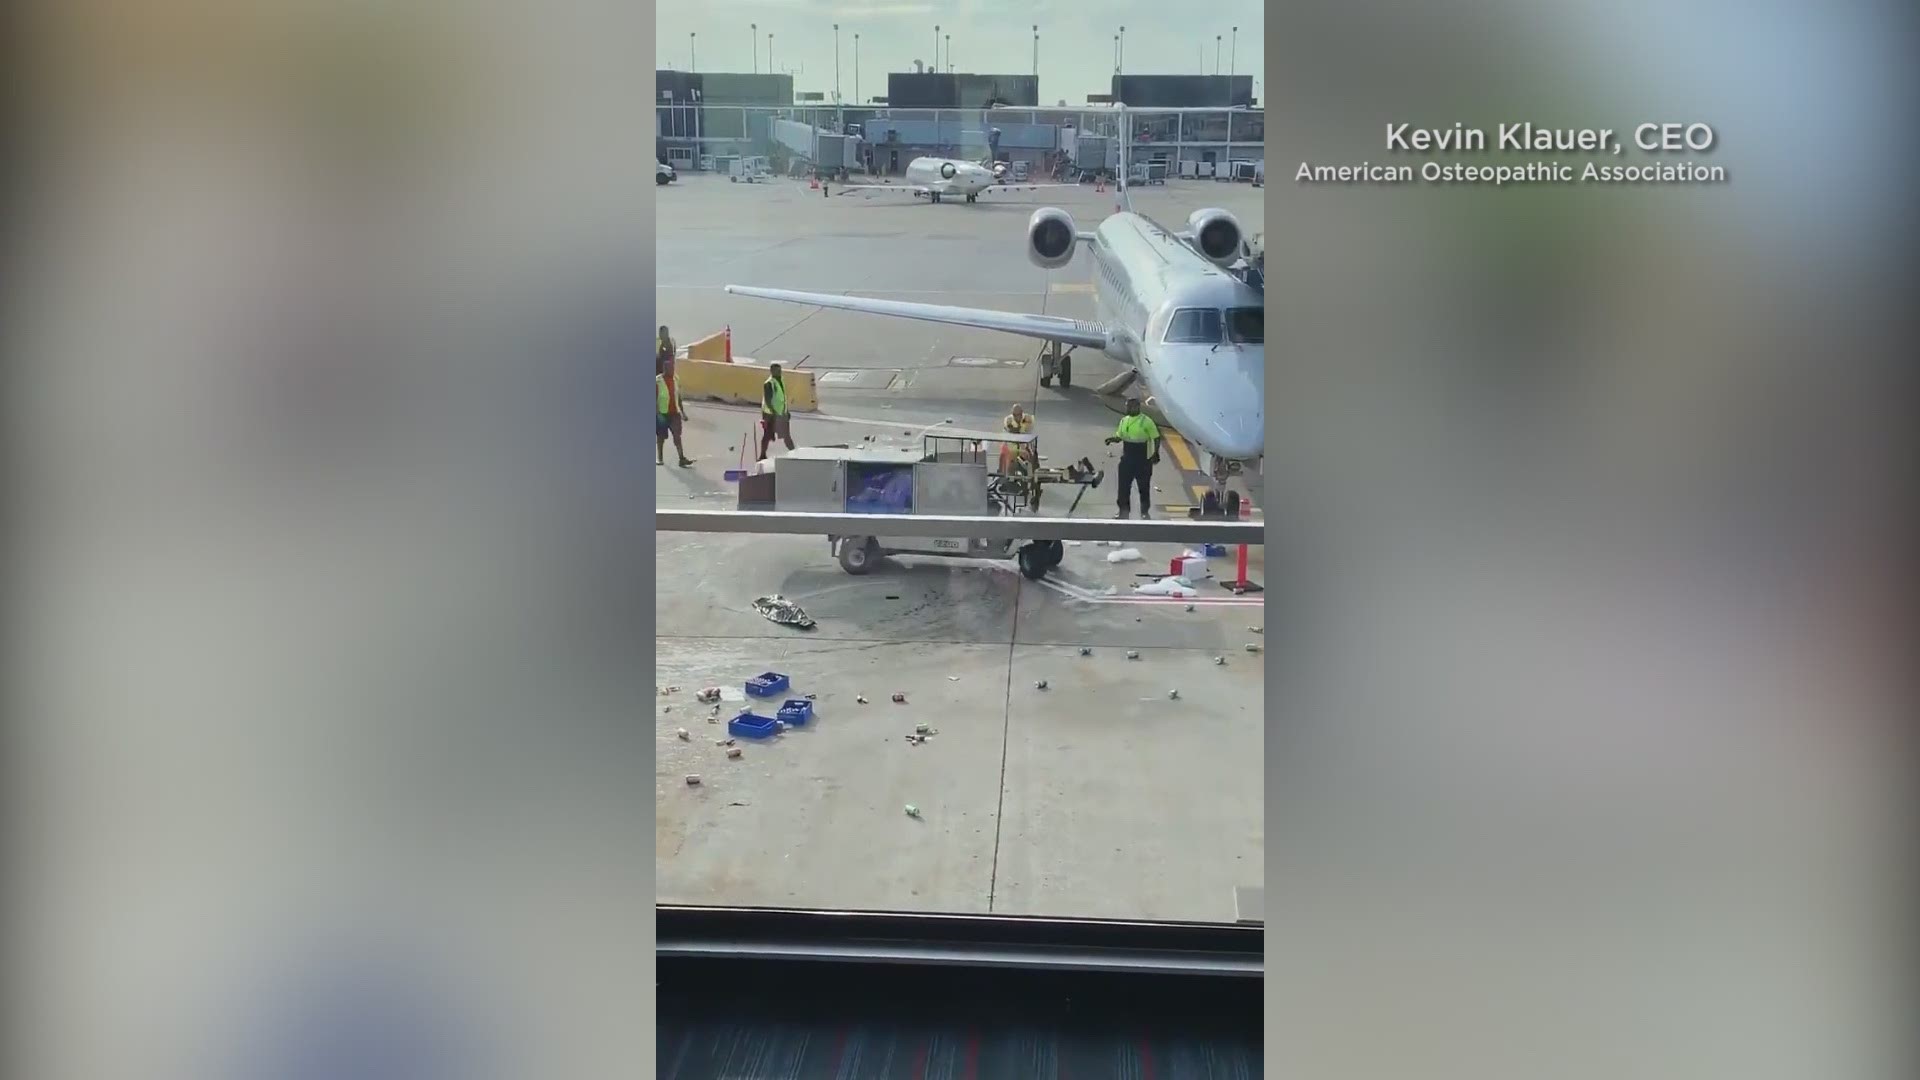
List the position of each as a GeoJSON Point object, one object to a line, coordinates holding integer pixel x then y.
{"type": "Point", "coordinates": [1200, 493]}
{"type": "Point", "coordinates": [1071, 287]}
{"type": "Point", "coordinates": [1182, 454]}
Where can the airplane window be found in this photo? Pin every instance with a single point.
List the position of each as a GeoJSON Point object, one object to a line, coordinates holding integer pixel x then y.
{"type": "Point", "coordinates": [1247, 325]}
{"type": "Point", "coordinates": [1194, 326]}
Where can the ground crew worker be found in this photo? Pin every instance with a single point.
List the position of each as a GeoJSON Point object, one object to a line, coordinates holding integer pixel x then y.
{"type": "Point", "coordinates": [665, 346]}
{"type": "Point", "coordinates": [1139, 441]}
{"type": "Point", "coordinates": [669, 415]}
{"type": "Point", "coordinates": [1016, 422]}
{"type": "Point", "coordinates": [774, 419]}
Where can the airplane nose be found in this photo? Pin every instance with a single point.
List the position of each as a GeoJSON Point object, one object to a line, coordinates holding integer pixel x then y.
{"type": "Point", "coordinates": [1238, 437]}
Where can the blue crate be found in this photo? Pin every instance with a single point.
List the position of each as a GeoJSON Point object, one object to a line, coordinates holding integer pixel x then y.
{"type": "Point", "coordinates": [796, 712]}
{"type": "Point", "coordinates": [767, 684]}
{"type": "Point", "coordinates": [1214, 551]}
{"type": "Point", "coordinates": [749, 726]}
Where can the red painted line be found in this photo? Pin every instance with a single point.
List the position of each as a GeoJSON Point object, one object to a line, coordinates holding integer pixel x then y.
{"type": "Point", "coordinates": [1146, 1060]}
{"type": "Point", "coordinates": [839, 1051]}
{"type": "Point", "coordinates": [971, 1069]}
{"type": "Point", "coordinates": [920, 1059]}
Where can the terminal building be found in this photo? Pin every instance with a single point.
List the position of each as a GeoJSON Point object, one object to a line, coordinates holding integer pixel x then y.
{"type": "Point", "coordinates": [706, 119]}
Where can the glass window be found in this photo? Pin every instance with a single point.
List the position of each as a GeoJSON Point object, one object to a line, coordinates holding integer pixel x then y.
{"type": "Point", "coordinates": [1247, 325]}
{"type": "Point", "coordinates": [1194, 326]}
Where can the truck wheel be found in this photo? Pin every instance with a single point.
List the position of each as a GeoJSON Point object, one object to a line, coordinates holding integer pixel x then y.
{"type": "Point", "coordinates": [1033, 562]}
{"type": "Point", "coordinates": [1056, 552]}
{"type": "Point", "coordinates": [1066, 371]}
{"type": "Point", "coordinates": [858, 554]}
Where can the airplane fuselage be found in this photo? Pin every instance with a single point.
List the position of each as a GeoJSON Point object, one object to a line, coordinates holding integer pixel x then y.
{"type": "Point", "coordinates": [945, 176]}
{"type": "Point", "coordinates": [1194, 332]}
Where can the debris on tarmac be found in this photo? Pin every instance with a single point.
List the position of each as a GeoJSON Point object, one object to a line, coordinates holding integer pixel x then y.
{"type": "Point", "coordinates": [1086, 650]}
{"type": "Point", "coordinates": [1132, 655]}
{"type": "Point", "coordinates": [1041, 685]}
{"type": "Point", "coordinates": [1256, 629]}
{"type": "Point", "coordinates": [1219, 661]}
{"type": "Point", "coordinates": [693, 779]}
{"type": "Point", "coordinates": [899, 699]}
{"type": "Point", "coordinates": [1173, 695]}
{"type": "Point", "coordinates": [682, 732]}
{"type": "Point", "coordinates": [1189, 607]}
{"type": "Point", "coordinates": [1124, 555]}
{"type": "Point", "coordinates": [913, 811]}
{"type": "Point", "coordinates": [859, 700]}
{"type": "Point", "coordinates": [733, 752]}
{"type": "Point", "coordinates": [920, 729]}
{"type": "Point", "coordinates": [953, 678]}
{"type": "Point", "coordinates": [708, 696]}
{"type": "Point", "coordinates": [1251, 647]}
{"type": "Point", "coordinates": [779, 609]}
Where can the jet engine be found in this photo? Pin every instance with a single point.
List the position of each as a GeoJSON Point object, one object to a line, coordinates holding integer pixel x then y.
{"type": "Point", "coordinates": [1216, 235]}
{"type": "Point", "coordinates": [1050, 238]}
{"type": "Point", "coordinates": [947, 170]}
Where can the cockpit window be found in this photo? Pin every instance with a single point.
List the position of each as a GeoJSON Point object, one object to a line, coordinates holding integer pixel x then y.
{"type": "Point", "coordinates": [1247, 325]}
{"type": "Point", "coordinates": [1194, 326]}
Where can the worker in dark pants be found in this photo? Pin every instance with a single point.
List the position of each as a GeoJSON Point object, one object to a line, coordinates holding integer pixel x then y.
{"type": "Point", "coordinates": [1139, 441]}
{"type": "Point", "coordinates": [775, 422]}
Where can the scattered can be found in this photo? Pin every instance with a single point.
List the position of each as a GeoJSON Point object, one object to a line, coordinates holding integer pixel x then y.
{"type": "Point", "coordinates": [1041, 685]}
{"type": "Point", "coordinates": [693, 780]}
{"type": "Point", "coordinates": [1133, 654]}
{"type": "Point", "coordinates": [682, 732]}
{"type": "Point", "coordinates": [733, 751]}
{"type": "Point", "coordinates": [913, 811]}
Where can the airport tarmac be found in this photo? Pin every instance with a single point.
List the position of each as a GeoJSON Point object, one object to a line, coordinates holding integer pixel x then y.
{"type": "Point", "coordinates": [1099, 796]}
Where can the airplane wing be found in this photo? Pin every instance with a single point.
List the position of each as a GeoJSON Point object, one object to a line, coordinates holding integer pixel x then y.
{"type": "Point", "coordinates": [1044, 327]}
{"type": "Point", "coordinates": [914, 188]}
{"type": "Point", "coordinates": [1015, 185]}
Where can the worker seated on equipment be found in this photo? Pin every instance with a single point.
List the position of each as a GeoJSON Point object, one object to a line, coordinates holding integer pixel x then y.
{"type": "Point", "coordinates": [1017, 422]}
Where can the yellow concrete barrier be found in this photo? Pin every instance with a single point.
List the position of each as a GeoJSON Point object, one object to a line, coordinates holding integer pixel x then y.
{"type": "Point", "coordinates": [740, 384]}
{"type": "Point", "coordinates": [712, 347]}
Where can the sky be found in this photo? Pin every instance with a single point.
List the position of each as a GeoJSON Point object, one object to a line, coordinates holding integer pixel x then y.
{"type": "Point", "coordinates": [989, 37]}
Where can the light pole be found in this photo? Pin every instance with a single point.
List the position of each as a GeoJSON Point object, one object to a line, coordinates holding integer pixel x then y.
{"type": "Point", "coordinates": [1121, 65]}
{"type": "Point", "coordinates": [1116, 54]}
{"type": "Point", "coordinates": [949, 54]}
{"type": "Point", "coordinates": [1216, 54]}
{"type": "Point", "coordinates": [770, 67]}
{"type": "Point", "coordinates": [836, 62]}
{"type": "Point", "coordinates": [856, 69]}
{"type": "Point", "coordinates": [1232, 48]}
{"type": "Point", "coordinates": [754, 32]}
{"type": "Point", "coordinates": [693, 62]}
{"type": "Point", "coordinates": [1036, 57]}
{"type": "Point", "coordinates": [936, 49]}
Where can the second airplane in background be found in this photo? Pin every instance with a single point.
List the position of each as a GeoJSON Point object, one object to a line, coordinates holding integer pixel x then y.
{"type": "Point", "coordinates": [938, 178]}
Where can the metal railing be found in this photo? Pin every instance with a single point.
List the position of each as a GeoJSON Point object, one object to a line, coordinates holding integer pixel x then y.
{"type": "Point", "coordinates": [1011, 527]}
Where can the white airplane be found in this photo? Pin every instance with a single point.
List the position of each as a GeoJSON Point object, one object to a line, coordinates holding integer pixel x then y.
{"type": "Point", "coordinates": [939, 177]}
{"type": "Point", "coordinates": [1167, 305]}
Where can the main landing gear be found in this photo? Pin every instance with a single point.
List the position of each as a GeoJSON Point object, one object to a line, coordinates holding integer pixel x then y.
{"type": "Point", "coordinates": [1056, 364]}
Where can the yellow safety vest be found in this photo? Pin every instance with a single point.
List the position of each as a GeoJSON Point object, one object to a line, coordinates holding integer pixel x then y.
{"type": "Point", "coordinates": [778, 407]}
{"type": "Point", "coordinates": [660, 394]}
{"type": "Point", "coordinates": [1022, 426]}
{"type": "Point", "coordinates": [1137, 429]}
